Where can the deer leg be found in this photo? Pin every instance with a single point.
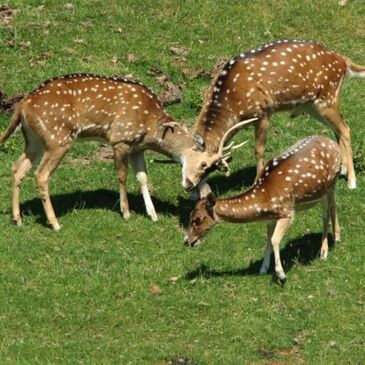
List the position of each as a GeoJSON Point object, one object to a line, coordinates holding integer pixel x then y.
{"type": "Point", "coordinates": [261, 126]}
{"type": "Point", "coordinates": [19, 171]}
{"type": "Point", "coordinates": [33, 150]}
{"type": "Point", "coordinates": [342, 130]}
{"type": "Point", "coordinates": [121, 164]}
{"type": "Point", "coordinates": [139, 166]}
{"type": "Point", "coordinates": [48, 164]}
{"type": "Point", "coordinates": [281, 227]}
{"type": "Point", "coordinates": [333, 211]}
{"type": "Point", "coordinates": [325, 220]}
{"type": "Point", "coordinates": [266, 262]}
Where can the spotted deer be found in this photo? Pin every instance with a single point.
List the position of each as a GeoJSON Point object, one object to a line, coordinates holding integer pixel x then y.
{"type": "Point", "coordinates": [294, 181]}
{"type": "Point", "coordinates": [297, 76]}
{"type": "Point", "coordinates": [121, 112]}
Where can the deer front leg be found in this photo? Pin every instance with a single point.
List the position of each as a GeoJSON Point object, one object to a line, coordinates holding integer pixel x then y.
{"type": "Point", "coordinates": [139, 166]}
{"type": "Point", "coordinates": [261, 126]}
{"type": "Point", "coordinates": [48, 164]}
{"type": "Point", "coordinates": [266, 262]}
{"type": "Point", "coordinates": [121, 164]}
{"type": "Point", "coordinates": [281, 227]}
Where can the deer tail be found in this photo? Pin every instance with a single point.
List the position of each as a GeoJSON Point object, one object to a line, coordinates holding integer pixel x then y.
{"type": "Point", "coordinates": [353, 69]}
{"type": "Point", "coordinates": [14, 123]}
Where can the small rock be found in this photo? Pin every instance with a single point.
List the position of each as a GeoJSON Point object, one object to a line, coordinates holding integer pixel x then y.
{"type": "Point", "coordinates": [174, 279]}
{"type": "Point", "coordinates": [69, 7]}
{"type": "Point", "coordinates": [132, 58]}
{"type": "Point", "coordinates": [180, 51]}
{"type": "Point", "coordinates": [79, 41]}
{"type": "Point", "coordinates": [155, 290]}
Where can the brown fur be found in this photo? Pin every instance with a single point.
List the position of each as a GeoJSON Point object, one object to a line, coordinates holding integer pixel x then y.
{"type": "Point", "coordinates": [296, 180]}
{"type": "Point", "coordinates": [300, 76]}
{"type": "Point", "coordinates": [121, 112]}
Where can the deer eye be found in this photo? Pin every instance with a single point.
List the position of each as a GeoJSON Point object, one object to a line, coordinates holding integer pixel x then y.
{"type": "Point", "coordinates": [203, 165]}
{"type": "Point", "coordinates": [197, 221]}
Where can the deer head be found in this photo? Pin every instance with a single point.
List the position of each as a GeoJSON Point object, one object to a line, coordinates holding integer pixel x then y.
{"type": "Point", "coordinates": [202, 218]}
{"type": "Point", "coordinates": [198, 163]}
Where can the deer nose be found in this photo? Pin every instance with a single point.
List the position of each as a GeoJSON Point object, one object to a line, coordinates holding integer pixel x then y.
{"type": "Point", "coordinates": [186, 240]}
{"type": "Point", "coordinates": [188, 185]}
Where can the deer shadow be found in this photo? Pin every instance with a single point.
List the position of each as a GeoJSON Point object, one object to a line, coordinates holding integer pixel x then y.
{"type": "Point", "coordinates": [109, 200]}
{"type": "Point", "coordinates": [301, 250]}
{"type": "Point", "coordinates": [97, 199]}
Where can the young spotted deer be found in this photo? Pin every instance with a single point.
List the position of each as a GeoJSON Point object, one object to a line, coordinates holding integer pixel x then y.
{"type": "Point", "coordinates": [296, 180]}
{"type": "Point", "coordinates": [121, 112]}
{"type": "Point", "coordinates": [300, 76]}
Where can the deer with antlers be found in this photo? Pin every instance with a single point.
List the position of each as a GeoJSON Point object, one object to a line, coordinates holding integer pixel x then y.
{"type": "Point", "coordinates": [121, 112]}
{"type": "Point", "coordinates": [296, 180]}
{"type": "Point", "coordinates": [297, 76]}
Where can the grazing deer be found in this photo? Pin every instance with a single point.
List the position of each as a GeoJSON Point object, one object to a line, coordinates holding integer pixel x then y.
{"type": "Point", "coordinates": [300, 76]}
{"type": "Point", "coordinates": [296, 180]}
{"type": "Point", "coordinates": [121, 112]}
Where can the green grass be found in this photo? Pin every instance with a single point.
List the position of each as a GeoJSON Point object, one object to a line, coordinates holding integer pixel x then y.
{"type": "Point", "coordinates": [99, 291]}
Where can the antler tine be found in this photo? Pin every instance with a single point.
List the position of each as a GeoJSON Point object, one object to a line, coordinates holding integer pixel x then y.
{"type": "Point", "coordinates": [233, 146]}
{"type": "Point", "coordinates": [227, 148]}
{"type": "Point", "coordinates": [236, 126]}
{"type": "Point", "coordinates": [225, 164]}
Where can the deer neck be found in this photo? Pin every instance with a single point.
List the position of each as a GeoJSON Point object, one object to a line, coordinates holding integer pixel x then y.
{"type": "Point", "coordinates": [171, 142]}
{"type": "Point", "coordinates": [247, 207]}
{"type": "Point", "coordinates": [214, 120]}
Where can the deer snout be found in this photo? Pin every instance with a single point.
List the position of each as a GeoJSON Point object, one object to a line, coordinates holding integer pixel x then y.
{"type": "Point", "coordinates": [194, 243]}
{"type": "Point", "coordinates": [188, 185]}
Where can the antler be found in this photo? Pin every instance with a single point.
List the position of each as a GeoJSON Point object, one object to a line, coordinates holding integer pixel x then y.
{"type": "Point", "coordinates": [167, 126]}
{"type": "Point", "coordinates": [231, 146]}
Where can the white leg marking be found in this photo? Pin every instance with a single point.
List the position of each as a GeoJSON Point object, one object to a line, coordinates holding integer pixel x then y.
{"type": "Point", "coordinates": [138, 163]}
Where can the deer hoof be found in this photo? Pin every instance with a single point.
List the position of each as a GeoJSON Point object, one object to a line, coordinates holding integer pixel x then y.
{"type": "Point", "coordinates": [263, 270]}
{"type": "Point", "coordinates": [126, 215]}
{"type": "Point", "coordinates": [351, 184]}
{"type": "Point", "coordinates": [324, 254]}
{"type": "Point", "coordinates": [17, 221]}
{"type": "Point", "coordinates": [281, 278]}
{"type": "Point", "coordinates": [153, 217]}
{"type": "Point", "coordinates": [56, 227]}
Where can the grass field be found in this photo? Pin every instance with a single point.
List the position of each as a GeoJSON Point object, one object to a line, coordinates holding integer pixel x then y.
{"type": "Point", "coordinates": [107, 291]}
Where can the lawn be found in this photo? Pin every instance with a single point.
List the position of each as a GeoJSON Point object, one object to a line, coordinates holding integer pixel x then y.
{"type": "Point", "coordinates": [108, 291]}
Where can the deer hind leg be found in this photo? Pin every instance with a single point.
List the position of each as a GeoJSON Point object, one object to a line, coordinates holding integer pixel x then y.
{"type": "Point", "coordinates": [261, 126]}
{"type": "Point", "coordinates": [333, 211]}
{"type": "Point", "coordinates": [325, 220]}
{"type": "Point", "coordinates": [33, 151]}
{"type": "Point", "coordinates": [266, 262]}
{"type": "Point", "coordinates": [139, 166]}
{"type": "Point", "coordinates": [50, 161]}
{"type": "Point", "coordinates": [121, 152]}
{"type": "Point", "coordinates": [281, 227]}
{"type": "Point", "coordinates": [332, 117]}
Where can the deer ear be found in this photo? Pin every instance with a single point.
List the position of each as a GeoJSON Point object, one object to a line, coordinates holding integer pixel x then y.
{"type": "Point", "coordinates": [204, 191]}
{"type": "Point", "coordinates": [199, 142]}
